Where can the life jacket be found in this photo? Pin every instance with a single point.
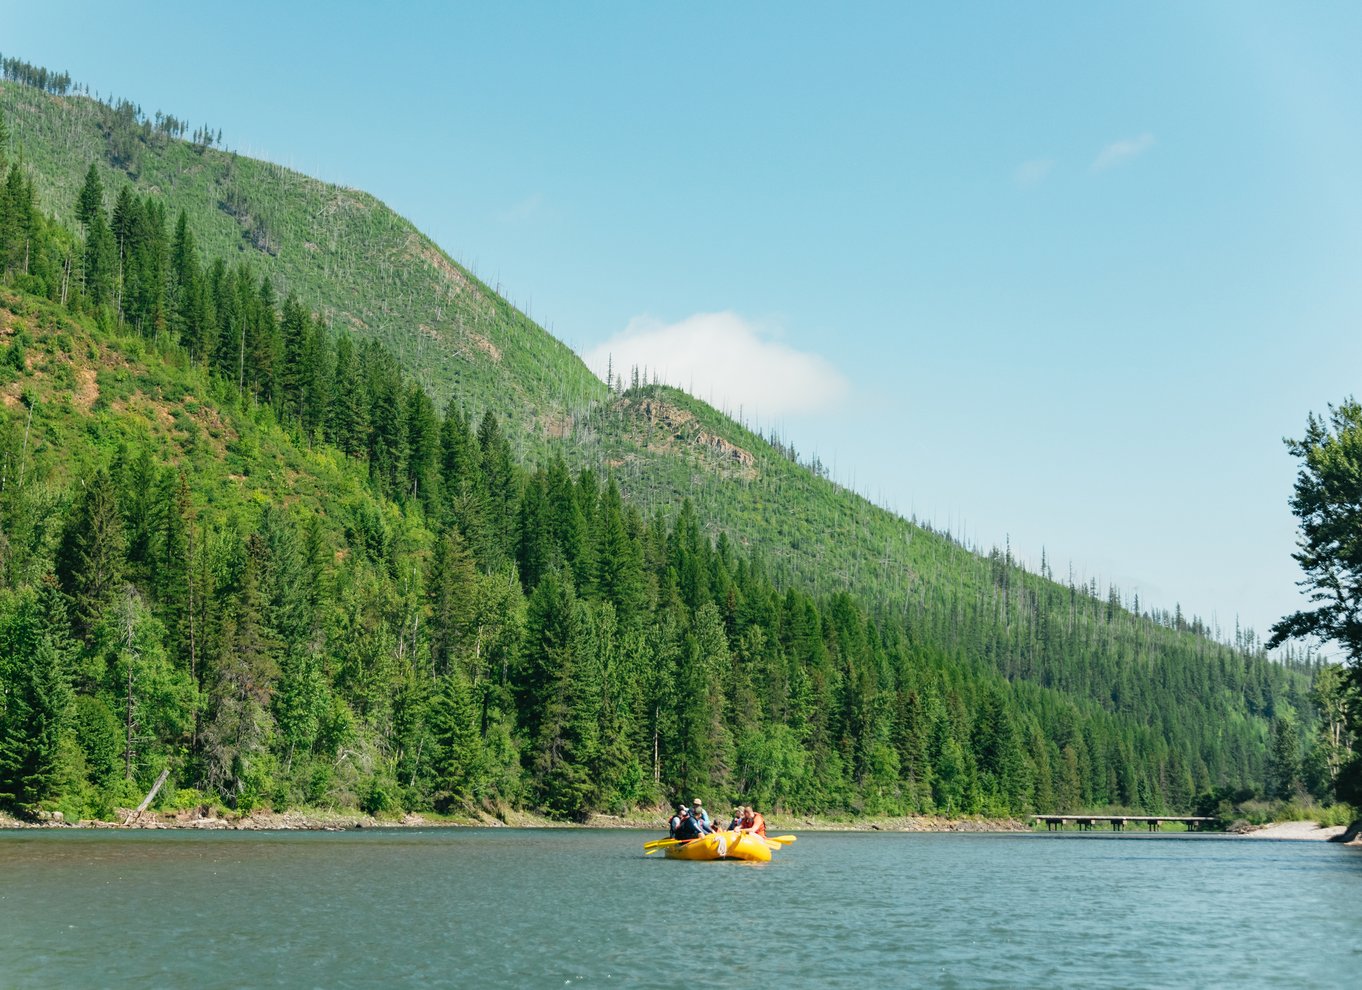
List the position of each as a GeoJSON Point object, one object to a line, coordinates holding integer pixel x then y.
{"type": "Point", "coordinates": [673, 825]}
{"type": "Point", "coordinates": [691, 828]}
{"type": "Point", "coordinates": [756, 824]}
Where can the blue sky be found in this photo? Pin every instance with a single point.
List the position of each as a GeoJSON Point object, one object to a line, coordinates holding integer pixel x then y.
{"type": "Point", "coordinates": [1064, 275]}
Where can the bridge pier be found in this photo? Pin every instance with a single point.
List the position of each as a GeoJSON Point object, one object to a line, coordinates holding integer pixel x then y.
{"type": "Point", "coordinates": [1152, 823]}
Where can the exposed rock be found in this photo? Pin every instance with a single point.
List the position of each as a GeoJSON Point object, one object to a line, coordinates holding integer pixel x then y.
{"type": "Point", "coordinates": [681, 426]}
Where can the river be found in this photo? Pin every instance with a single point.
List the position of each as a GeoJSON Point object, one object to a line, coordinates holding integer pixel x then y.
{"type": "Point", "coordinates": [564, 908]}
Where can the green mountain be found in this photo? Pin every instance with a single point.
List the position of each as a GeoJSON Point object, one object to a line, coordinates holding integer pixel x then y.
{"type": "Point", "coordinates": [352, 598]}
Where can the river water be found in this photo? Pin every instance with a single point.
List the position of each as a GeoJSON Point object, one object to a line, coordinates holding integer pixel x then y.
{"type": "Point", "coordinates": [567, 908]}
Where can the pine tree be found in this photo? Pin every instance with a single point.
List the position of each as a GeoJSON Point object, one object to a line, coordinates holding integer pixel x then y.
{"type": "Point", "coordinates": [422, 456]}
{"type": "Point", "coordinates": [34, 706]}
{"type": "Point", "coordinates": [241, 685]}
{"type": "Point", "coordinates": [536, 550]}
{"type": "Point", "coordinates": [460, 760]}
{"type": "Point", "coordinates": [347, 419]}
{"type": "Point", "coordinates": [189, 319]}
{"type": "Point", "coordinates": [174, 571]}
{"type": "Point", "coordinates": [1284, 761]}
{"type": "Point", "coordinates": [90, 562]}
{"type": "Point", "coordinates": [501, 491]}
{"type": "Point", "coordinates": [619, 564]}
{"type": "Point", "coordinates": [451, 589]}
{"type": "Point", "coordinates": [101, 264]}
{"type": "Point", "coordinates": [387, 441]}
{"type": "Point", "coordinates": [90, 203]}
{"type": "Point", "coordinates": [294, 330]}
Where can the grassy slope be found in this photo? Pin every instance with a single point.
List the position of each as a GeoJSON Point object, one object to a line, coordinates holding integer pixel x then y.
{"type": "Point", "coordinates": [342, 251]}
{"type": "Point", "coordinates": [89, 394]}
{"type": "Point", "coordinates": [370, 271]}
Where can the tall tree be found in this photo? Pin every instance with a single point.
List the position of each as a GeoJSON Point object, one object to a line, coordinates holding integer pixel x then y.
{"type": "Point", "coordinates": [1327, 499]}
{"type": "Point", "coordinates": [90, 558]}
{"type": "Point", "coordinates": [34, 705]}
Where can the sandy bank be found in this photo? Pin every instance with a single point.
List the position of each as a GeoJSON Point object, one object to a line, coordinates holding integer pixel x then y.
{"type": "Point", "coordinates": [1296, 830]}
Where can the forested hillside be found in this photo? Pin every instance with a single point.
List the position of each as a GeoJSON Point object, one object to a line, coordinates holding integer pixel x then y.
{"type": "Point", "coordinates": [295, 507]}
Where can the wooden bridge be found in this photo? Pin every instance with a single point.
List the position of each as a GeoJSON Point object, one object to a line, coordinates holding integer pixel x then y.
{"type": "Point", "coordinates": [1119, 822]}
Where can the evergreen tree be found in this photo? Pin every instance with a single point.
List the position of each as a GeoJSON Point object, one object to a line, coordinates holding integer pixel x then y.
{"type": "Point", "coordinates": [90, 562]}
{"type": "Point", "coordinates": [452, 587]}
{"type": "Point", "coordinates": [1326, 502]}
{"type": "Point", "coordinates": [90, 202]}
{"type": "Point", "coordinates": [422, 455]}
{"type": "Point", "coordinates": [387, 439]}
{"type": "Point", "coordinates": [347, 417]}
{"type": "Point", "coordinates": [500, 492]}
{"type": "Point", "coordinates": [460, 761]}
{"type": "Point", "coordinates": [1284, 766]}
{"type": "Point", "coordinates": [244, 672]}
{"type": "Point", "coordinates": [34, 707]}
{"type": "Point", "coordinates": [619, 564]}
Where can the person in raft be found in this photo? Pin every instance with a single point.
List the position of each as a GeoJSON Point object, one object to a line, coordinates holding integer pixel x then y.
{"type": "Point", "coordinates": [736, 820]}
{"type": "Point", "coordinates": [675, 823]}
{"type": "Point", "coordinates": [695, 824]}
{"type": "Point", "coordinates": [697, 810]}
{"type": "Point", "coordinates": [752, 821]}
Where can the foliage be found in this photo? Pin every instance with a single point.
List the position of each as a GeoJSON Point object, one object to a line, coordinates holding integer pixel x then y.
{"type": "Point", "coordinates": [1327, 499]}
{"type": "Point", "coordinates": [270, 563]}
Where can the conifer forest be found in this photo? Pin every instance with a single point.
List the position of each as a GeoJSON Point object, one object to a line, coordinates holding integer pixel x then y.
{"type": "Point", "coordinates": [302, 513]}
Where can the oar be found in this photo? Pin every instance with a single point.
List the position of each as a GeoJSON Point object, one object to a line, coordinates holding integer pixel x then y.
{"type": "Point", "coordinates": [780, 841]}
{"type": "Point", "coordinates": [651, 847]}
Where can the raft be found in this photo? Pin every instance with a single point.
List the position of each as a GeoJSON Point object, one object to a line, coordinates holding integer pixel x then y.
{"type": "Point", "coordinates": [723, 845]}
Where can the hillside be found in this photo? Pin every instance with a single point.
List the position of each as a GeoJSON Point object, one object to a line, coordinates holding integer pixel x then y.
{"type": "Point", "coordinates": [950, 681]}
{"type": "Point", "coordinates": [346, 256]}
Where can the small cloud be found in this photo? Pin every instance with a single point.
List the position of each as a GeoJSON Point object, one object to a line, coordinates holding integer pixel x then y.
{"type": "Point", "coordinates": [524, 211]}
{"type": "Point", "coordinates": [1033, 172]}
{"type": "Point", "coordinates": [723, 358]}
{"type": "Point", "coordinates": [1121, 151]}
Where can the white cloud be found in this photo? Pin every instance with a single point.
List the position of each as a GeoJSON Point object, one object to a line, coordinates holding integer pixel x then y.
{"type": "Point", "coordinates": [1121, 151]}
{"type": "Point", "coordinates": [1033, 172]}
{"type": "Point", "coordinates": [724, 359]}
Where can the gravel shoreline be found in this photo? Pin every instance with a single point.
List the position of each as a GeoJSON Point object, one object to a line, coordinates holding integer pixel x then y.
{"type": "Point", "coordinates": [335, 821]}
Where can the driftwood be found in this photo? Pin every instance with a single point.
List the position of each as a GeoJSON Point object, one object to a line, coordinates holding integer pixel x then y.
{"type": "Point", "coordinates": [1350, 834]}
{"type": "Point", "coordinates": [146, 801]}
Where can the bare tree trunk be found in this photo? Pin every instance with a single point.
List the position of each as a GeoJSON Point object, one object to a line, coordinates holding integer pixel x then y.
{"type": "Point", "coordinates": [146, 801]}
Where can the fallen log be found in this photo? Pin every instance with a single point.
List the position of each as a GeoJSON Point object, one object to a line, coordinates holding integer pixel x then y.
{"type": "Point", "coordinates": [146, 801]}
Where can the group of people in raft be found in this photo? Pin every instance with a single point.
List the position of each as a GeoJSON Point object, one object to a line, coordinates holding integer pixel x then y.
{"type": "Point", "coordinates": [693, 822]}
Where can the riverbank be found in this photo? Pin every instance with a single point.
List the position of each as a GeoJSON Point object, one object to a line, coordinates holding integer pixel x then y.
{"type": "Point", "coordinates": [1306, 831]}
{"type": "Point", "coordinates": [324, 820]}
{"type": "Point", "coordinates": [328, 820]}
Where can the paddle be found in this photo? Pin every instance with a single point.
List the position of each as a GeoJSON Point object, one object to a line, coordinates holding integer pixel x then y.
{"type": "Point", "coordinates": [651, 847]}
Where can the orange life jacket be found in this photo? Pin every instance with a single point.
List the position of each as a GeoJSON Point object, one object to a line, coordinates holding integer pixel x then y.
{"type": "Point", "coordinates": [755, 824]}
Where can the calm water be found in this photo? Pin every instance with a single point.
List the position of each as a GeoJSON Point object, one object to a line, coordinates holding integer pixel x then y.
{"type": "Point", "coordinates": [502, 907]}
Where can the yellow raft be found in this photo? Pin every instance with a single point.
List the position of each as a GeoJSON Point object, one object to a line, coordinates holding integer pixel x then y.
{"type": "Point", "coordinates": [724, 845]}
